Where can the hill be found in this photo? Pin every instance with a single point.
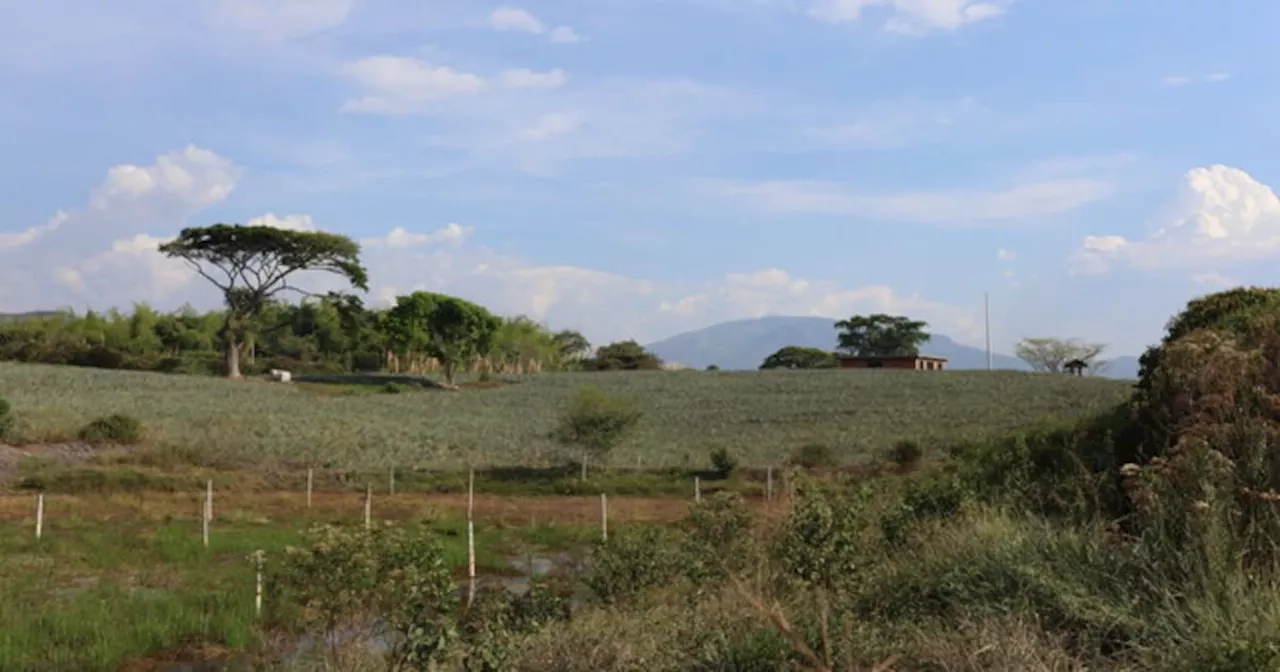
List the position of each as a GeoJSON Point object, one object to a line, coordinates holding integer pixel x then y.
{"type": "Point", "coordinates": [759, 416]}
{"type": "Point", "coordinates": [743, 344]}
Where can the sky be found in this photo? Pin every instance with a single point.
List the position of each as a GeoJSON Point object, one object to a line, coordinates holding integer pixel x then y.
{"type": "Point", "coordinates": [640, 168]}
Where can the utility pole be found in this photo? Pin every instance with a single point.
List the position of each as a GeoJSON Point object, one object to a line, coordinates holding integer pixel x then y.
{"type": "Point", "coordinates": [986, 314]}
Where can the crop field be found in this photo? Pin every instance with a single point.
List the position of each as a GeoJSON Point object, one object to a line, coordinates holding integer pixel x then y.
{"type": "Point", "coordinates": [759, 416]}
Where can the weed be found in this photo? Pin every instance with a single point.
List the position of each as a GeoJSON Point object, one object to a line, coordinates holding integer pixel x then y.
{"type": "Point", "coordinates": [116, 428]}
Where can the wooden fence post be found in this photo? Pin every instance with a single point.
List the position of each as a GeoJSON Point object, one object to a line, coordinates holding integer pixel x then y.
{"type": "Point", "coordinates": [604, 517]}
{"type": "Point", "coordinates": [697, 490]}
{"type": "Point", "coordinates": [368, 507]}
{"type": "Point", "coordinates": [39, 516]}
{"type": "Point", "coordinates": [471, 537]}
{"type": "Point", "coordinates": [310, 484]}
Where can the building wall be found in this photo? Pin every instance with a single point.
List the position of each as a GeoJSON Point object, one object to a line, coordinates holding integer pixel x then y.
{"type": "Point", "coordinates": [908, 363]}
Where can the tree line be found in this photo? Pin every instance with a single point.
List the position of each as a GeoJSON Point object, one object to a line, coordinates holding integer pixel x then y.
{"type": "Point", "coordinates": [882, 335]}
{"type": "Point", "coordinates": [255, 267]}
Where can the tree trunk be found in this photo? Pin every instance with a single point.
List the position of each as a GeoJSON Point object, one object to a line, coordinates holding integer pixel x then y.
{"type": "Point", "coordinates": [233, 357]}
{"type": "Point", "coordinates": [448, 372]}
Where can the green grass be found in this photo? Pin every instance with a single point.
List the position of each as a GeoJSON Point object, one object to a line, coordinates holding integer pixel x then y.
{"type": "Point", "coordinates": [93, 594]}
{"type": "Point", "coordinates": [759, 416]}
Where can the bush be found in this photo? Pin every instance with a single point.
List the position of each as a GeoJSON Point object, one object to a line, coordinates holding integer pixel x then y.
{"type": "Point", "coordinates": [117, 428]}
{"type": "Point", "coordinates": [634, 560]}
{"type": "Point", "coordinates": [813, 456]}
{"type": "Point", "coordinates": [341, 577]}
{"type": "Point", "coordinates": [723, 463]}
{"type": "Point", "coordinates": [8, 426]}
{"type": "Point", "coordinates": [906, 454]}
{"type": "Point", "coordinates": [393, 388]}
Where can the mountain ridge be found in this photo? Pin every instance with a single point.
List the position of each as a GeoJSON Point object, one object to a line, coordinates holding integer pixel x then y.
{"type": "Point", "coordinates": [743, 344]}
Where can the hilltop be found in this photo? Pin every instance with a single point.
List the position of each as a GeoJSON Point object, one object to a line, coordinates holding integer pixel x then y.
{"type": "Point", "coordinates": [743, 344]}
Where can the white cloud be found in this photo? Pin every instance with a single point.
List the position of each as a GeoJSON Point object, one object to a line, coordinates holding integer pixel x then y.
{"type": "Point", "coordinates": [565, 35]}
{"type": "Point", "coordinates": [522, 78]}
{"type": "Point", "coordinates": [400, 85]}
{"type": "Point", "coordinates": [1215, 280]}
{"type": "Point", "coordinates": [1223, 216]}
{"type": "Point", "coordinates": [281, 19]}
{"type": "Point", "coordinates": [106, 255]}
{"type": "Point", "coordinates": [103, 254]}
{"type": "Point", "coordinates": [1183, 80]}
{"type": "Point", "coordinates": [912, 17]}
{"type": "Point", "coordinates": [514, 19]}
{"type": "Point", "coordinates": [1030, 199]}
{"type": "Point", "coordinates": [1004, 255]}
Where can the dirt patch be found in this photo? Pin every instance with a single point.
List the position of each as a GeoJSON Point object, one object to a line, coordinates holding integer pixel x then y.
{"type": "Point", "coordinates": [70, 454]}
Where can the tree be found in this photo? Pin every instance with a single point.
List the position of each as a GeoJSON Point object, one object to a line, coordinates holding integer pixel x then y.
{"type": "Point", "coordinates": [572, 345]}
{"type": "Point", "coordinates": [257, 262]}
{"type": "Point", "coordinates": [450, 329]}
{"type": "Point", "coordinates": [595, 422]}
{"type": "Point", "coordinates": [881, 335]}
{"type": "Point", "coordinates": [1050, 355]}
{"type": "Point", "coordinates": [800, 357]}
{"type": "Point", "coordinates": [624, 356]}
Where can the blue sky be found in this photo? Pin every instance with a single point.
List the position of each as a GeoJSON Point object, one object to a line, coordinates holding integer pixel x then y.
{"type": "Point", "coordinates": [637, 168]}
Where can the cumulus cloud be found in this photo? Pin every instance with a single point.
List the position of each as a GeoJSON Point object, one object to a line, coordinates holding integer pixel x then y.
{"type": "Point", "coordinates": [912, 17]}
{"type": "Point", "coordinates": [514, 19]}
{"type": "Point", "coordinates": [1223, 216]}
{"type": "Point", "coordinates": [1027, 199]}
{"type": "Point", "coordinates": [106, 254]}
{"type": "Point", "coordinates": [523, 78]}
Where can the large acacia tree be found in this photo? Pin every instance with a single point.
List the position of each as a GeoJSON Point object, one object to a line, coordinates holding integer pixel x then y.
{"type": "Point", "coordinates": [1051, 355]}
{"type": "Point", "coordinates": [881, 335]}
{"type": "Point", "coordinates": [251, 265]}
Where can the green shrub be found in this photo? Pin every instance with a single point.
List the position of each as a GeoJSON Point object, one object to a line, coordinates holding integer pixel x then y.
{"type": "Point", "coordinates": [393, 388]}
{"type": "Point", "coordinates": [116, 428]}
{"type": "Point", "coordinates": [633, 560]}
{"type": "Point", "coordinates": [8, 425]}
{"type": "Point", "coordinates": [906, 454]}
{"type": "Point", "coordinates": [723, 462]}
{"type": "Point", "coordinates": [813, 456]}
{"type": "Point", "coordinates": [387, 582]}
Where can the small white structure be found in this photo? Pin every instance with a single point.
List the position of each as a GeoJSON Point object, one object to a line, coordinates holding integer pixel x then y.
{"type": "Point", "coordinates": [281, 376]}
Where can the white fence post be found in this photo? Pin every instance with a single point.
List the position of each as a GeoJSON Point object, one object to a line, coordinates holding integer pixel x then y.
{"type": "Point", "coordinates": [39, 516]}
{"type": "Point", "coordinates": [604, 517]}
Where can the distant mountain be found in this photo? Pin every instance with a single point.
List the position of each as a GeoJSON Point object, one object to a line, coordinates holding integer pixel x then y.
{"type": "Point", "coordinates": [32, 315]}
{"type": "Point", "coordinates": [743, 344]}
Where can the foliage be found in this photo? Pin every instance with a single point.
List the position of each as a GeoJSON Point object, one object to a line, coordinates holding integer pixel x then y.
{"type": "Point", "coordinates": [623, 356]}
{"type": "Point", "coordinates": [821, 540]}
{"type": "Point", "coordinates": [813, 456]}
{"type": "Point", "coordinates": [800, 357]}
{"type": "Point", "coordinates": [632, 561]}
{"type": "Point", "coordinates": [906, 454]}
{"type": "Point", "coordinates": [1050, 355]}
{"type": "Point", "coordinates": [595, 422]}
{"type": "Point", "coordinates": [451, 330]}
{"type": "Point", "coordinates": [250, 265]}
{"type": "Point", "coordinates": [491, 625]}
{"type": "Point", "coordinates": [324, 335]}
{"type": "Point", "coordinates": [384, 583]}
{"type": "Point", "coordinates": [723, 462]}
{"type": "Point", "coordinates": [721, 539]}
{"type": "Point", "coordinates": [115, 428]}
{"type": "Point", "coordinates": [881, 335]}
{"type": "Point", "coordinates": [571, 345]}
{"type": "Point", "coordinates": [8, 424]}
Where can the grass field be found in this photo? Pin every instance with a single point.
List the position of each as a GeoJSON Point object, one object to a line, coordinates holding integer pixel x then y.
{"type": "Point", "coordinates": [758, 416]}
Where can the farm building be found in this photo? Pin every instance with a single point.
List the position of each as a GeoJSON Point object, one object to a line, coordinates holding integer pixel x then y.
{"type": "Point", "coordinates": [913, 362]}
